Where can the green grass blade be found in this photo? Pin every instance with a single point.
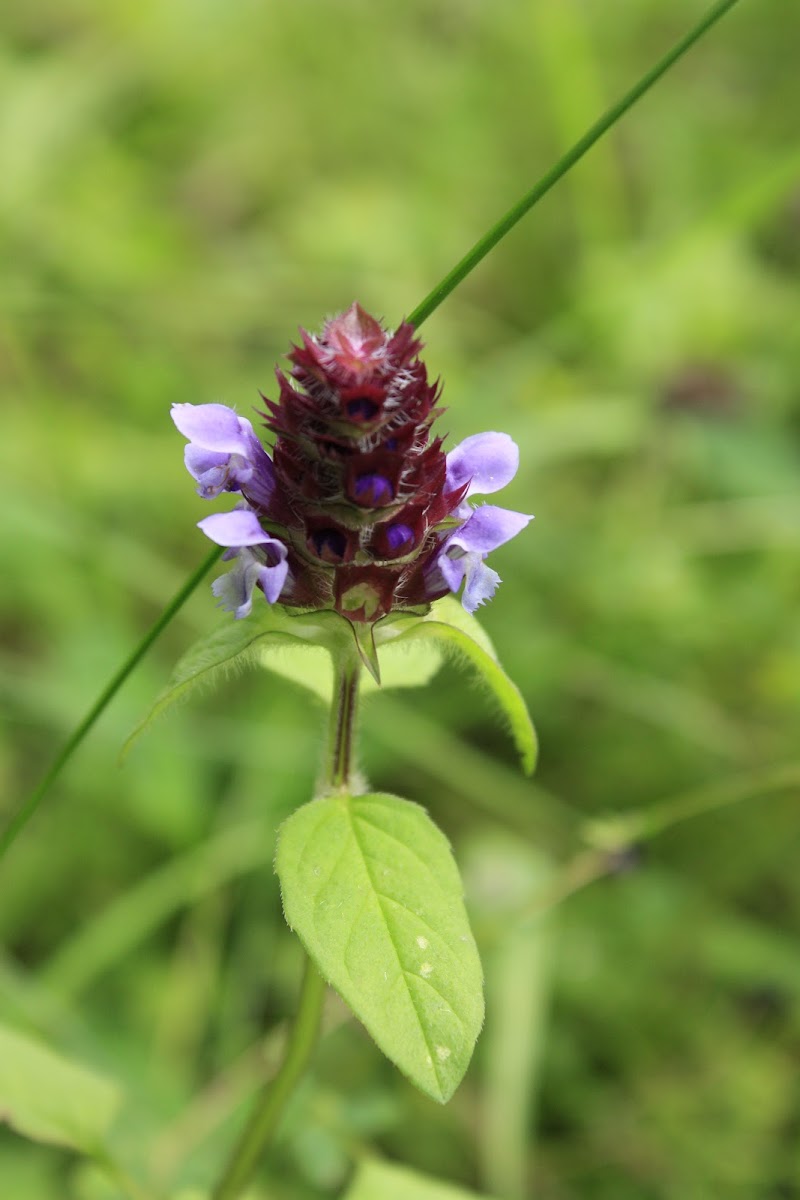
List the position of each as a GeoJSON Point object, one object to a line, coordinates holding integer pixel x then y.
{"type": "Point", "coordinates": [26, 810]}
{"type": "Point", "coordinates": [507, 222]}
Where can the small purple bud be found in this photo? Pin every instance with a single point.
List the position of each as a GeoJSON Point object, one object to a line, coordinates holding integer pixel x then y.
{"type": "Point", "coordinates": [399, 536]}
{"type": "Point", "coordinates": [373, 490]}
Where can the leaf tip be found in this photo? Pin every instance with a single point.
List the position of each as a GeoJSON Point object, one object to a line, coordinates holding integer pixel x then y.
{"type": "Point", "coordinates": [530, 754]}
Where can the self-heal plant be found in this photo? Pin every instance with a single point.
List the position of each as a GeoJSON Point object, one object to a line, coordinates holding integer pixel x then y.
{"type": "Point", "coordinates": [359, 510]}
{"type": "Point", "coordinates": [354, 535]}
{"type": "Point", "coordinates": [351, 535]}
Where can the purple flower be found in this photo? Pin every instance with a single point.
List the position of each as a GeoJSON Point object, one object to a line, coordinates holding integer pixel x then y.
{"type": "Point", "coordinates": [260, 559]}
{"type": "Point", "coordinates": [224, 454]}
{"type": "Point", "coordinates": [485, 462]}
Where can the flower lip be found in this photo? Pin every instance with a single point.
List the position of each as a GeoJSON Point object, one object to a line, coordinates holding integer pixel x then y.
{"type": "Point", "coordinates": [484, 461]}
{"type": "Point", "coordinates": [240, 527]}
{"type": "Point", "coordinates": [234, 590]}
{"type": "Point", "coordinates": [214, 427]}
{"type": "Point", "coordinates": [461, 557]}
{"type": "Point", "coordinates": [215, 472]}
{"type": "Point", "coordinates": [487, 528]}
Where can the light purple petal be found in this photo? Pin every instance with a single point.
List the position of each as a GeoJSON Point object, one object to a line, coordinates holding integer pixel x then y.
{"type": "Point", "coordinates": [235, 589]}
{"type": "Point", "coordinates": [215, 472]}
{"type": "Point", "coordinates": [488, 460]}
{"type": "Point", "coordinates": [452, 570]}
{"type": "Point", "coordinates": [200, 461]}
{"type": "Point", "coordinates": [224, 454]}
{"type": "Point", "coordinates": [257, 474]}
{"type": "Point", "coordinates": [237, 528]}
{"type": "Point", "coordinates": [214, 427]}
{"type": "Point", "coordinates": [272, 579]}
{"type": "Point", "coordinates": [481, 583]}
{"type": "Point", "coordinates": [487, 528]}
{"type": "Point", "coordinates": [212, 483]}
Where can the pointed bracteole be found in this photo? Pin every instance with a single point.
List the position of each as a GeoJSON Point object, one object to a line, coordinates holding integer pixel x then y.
{"type": "Point", "coordinates": [364, 634]}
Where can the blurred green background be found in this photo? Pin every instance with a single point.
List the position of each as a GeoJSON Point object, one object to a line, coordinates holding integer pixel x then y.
{"type": "Point", "coordinates": [183, 183]}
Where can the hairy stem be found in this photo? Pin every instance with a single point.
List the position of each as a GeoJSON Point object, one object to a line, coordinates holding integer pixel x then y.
{"type": "Point", "coordinates": [261, 1128]}
{"type": "Point", "coordinates": [341, 730]}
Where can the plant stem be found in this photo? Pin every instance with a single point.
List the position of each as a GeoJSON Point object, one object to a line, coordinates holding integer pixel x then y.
{"type": "Point", "coordinates": [26, 810]}
{"type": "Point", "coordinates": [564, 164]}
{"type": "Point", "coordinates": [260, 1129]}
{"type": "Point", "coordinates": [611, 836]}
{"type": "Point", "coordinates": [661, 816]}
{"type": "Point", "coordinates": [341, 730]}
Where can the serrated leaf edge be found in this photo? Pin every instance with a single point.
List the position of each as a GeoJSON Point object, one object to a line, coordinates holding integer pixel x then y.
{"type": "Point", "coordinates": [174, 694]}
{"type": "Point", "coordinates": [461, 644]}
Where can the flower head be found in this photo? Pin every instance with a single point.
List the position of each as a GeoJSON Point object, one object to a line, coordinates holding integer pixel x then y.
{"type": "Point", "coordinates": [359, 509]}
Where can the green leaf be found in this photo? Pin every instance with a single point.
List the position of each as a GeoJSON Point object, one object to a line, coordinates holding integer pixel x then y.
{"type": "Point", "coordinates": [297, 647]}
{"type": "Point", "coordinates": [458, 633]}
{"type": "Point", "coordinates": [236, 645]}
{"type": "Point", "coordinates": [50, 1099]}
{"type": "Point", "coordinates": [371, 888]}
{"type": "Point", "coordinates": [384, 1181]}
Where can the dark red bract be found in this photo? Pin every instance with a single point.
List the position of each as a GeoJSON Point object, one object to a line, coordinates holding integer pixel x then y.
{"type": "Point", "coordinates": [360, 482]}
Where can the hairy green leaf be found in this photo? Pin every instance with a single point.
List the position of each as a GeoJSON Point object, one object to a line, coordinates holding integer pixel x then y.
{"type": "Point", "coordinates": [50, 1099]}
{"type": "Point", "coordinates": [376, 1180]}
{"type": "Point", "coordinates": [371, 887]}
{"type": "Point", "coordinates": [297, 647]}
{"type": "Point", "coordinates": [231, 647]}
{"type": "Point", "coordinates": [455, 632]}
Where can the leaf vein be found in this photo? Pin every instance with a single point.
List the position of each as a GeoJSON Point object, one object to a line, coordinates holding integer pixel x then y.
{"type": "Point", "coordinates": [431, 929]}
{"type": "Point", "coordinates": [421, 979]}
{"type": "Point", "coordinates": [327, 820]}
{"type": "Point", "coordinates": [379, 898]}
{"type": "Point", "coordinates": [410, 849]}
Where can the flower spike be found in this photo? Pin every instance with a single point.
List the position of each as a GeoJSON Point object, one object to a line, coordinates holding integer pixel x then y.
{"type": "Point", "coordinates": [358, 509]}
